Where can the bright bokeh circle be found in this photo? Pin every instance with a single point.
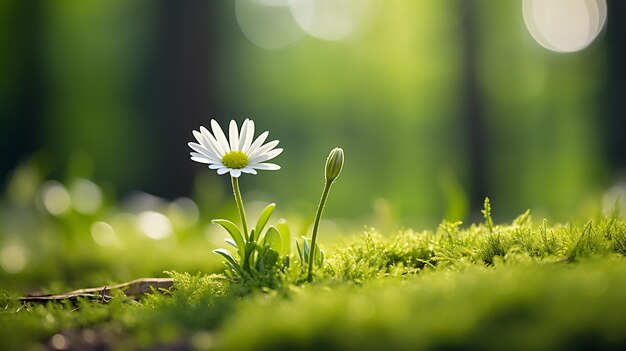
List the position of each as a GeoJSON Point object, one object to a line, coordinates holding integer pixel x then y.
{"type": "Point", "coordinates": [564, 25]}
{"type": "Point", "coordinates": [332, 19]}
{"type": "Point", "coordinates": [267, 23]}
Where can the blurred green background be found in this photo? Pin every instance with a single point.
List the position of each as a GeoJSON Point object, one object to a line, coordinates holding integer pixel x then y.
{"type": "Point", "coordinates": [436, 103]}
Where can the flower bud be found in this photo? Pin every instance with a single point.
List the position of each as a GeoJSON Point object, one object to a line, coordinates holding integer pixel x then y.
{"type": "Point", "coordinates": [334, 164]}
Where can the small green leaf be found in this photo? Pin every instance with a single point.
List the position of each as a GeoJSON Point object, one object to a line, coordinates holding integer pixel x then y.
{"type": "Point", "coordinates": [270, 258]}
{"type": "Point", "coordinates": [227, 255]}
{"type": "Point", "coordinates": [273, 239]}
{"type": "Point", "coordinates": [302, 262]}
{"type": "Point", "coordinates": [319, 255]}
{"type": "Point", "coordinates": [231, 242]}
{"type": "Point", "coordinates": [250, 247]}
{"type": "Point", "coordinates": [285, 235]}
{"type": "Point", "coordinates": [234, 232]}
{"type": "Point", "coordinates": [263, 218]}
{"type": "Point", "coordinates": [307, 250]}
{"type": "Point", "coordinates": [248, 251]}
{"type": "Point", "coordinates": [262, 251]}
{"type": "Point", "coordinates": [286, 262]}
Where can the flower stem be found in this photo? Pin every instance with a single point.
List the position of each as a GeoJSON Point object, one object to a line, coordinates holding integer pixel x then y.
{"type": "Point", "coordinates": [242, 212]}
{"type": "Point", "coordinates": [318, 217]}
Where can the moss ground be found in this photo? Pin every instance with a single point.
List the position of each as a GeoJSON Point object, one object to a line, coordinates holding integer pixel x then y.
{"type": "Point", "coordinates": [524, 285]}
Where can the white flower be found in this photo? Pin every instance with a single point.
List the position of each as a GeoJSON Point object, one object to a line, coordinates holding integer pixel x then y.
{"type": "Point", "coordinates": [239, 154]}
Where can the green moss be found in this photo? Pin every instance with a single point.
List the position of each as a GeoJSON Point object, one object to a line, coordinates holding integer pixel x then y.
{"type": "Point", "coordinates": [524, 285]}
{"type": "Point", "coordinates": [521, 306]}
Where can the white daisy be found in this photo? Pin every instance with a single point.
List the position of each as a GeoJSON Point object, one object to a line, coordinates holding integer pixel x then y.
{"type": "Point", "coordinates": [239, 154]}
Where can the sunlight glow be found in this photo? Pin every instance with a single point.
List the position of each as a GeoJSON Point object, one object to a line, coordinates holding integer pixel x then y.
{"type": "Point", "coordinates": [614, 200]}
{"type": "Point", "coordinates": [267, 23]}
{"type": "Point", "coordinates": [183, 212]}
{"type": "Point", "coordinates": [13, 258]}
{"type": "Point", "coordinates": [564, 25]}
{"type": "Point", "coordinates": [202, 340]}
{"type": "Point", "coordinates": [154, 225]}
{"type": "Point", "coordinates": [86, 196]}
{"type": "Point", "coordinates": [332, 19]}
{"type": "Point", "coordinates": [103, 234]}
{"type": "Point", "coordinates": [59, 342]}
{"type": "Point", "coordinates": [55, 198]}
{"type": "Point", "coordinates": [271, 2]}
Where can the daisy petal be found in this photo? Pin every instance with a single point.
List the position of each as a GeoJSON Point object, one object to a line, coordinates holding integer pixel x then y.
{"type": "Point", "coordinates": [235, 173]}
{"type": "Point", "coordinates": [198, 136]}
{"type": "Point", "coordinates": [243, 134]}
{"type": "Point", "coordinates": [257, 143]}
{"type": "Point", "coordinates": [266, 156]}
{"type": "Point", "coordinates": [266, 166]}
{"type": "Point", "coordinates": [200, 159]}
{"type": "Point", "coordinates": [263, 149]}
{"type": "Point", "coordinates": [205, 143]}
{"type": "Point", "coordinates": [201, 149]}
{"type": "Point", "coordinates": [248, 170]}
{"type": "Point", "coordinates": [224, 170]}
{"type": "Point", "coordinates": [219, 136]}
{"type": "Point", "coordinates": [233, 135]}
{"type": "Point", "coordinates": [248, 141]}
{"type": "Point", "coordinates": [203, 159]}
{"type": "Point", "coordinates": [216, 166]}
{"type": "Point", "coordinates": [215, 146]}
{"type": "Point", "coordinates": [196, 154]}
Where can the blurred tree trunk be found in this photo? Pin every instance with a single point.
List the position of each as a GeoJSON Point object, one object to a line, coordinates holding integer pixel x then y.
{"type": "Point", "coordinates": [21, 83]}
{"type": "Point", "coordinates": [616, 111]}
{"type": "Point", "coordinates": [471, 104]}
{"type": "Point", "coordinates": [185, 90]}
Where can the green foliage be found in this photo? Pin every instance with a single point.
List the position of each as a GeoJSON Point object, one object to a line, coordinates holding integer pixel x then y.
{"type": "Point", "coordinates": [260, 254]}
{"type": "Point", "coordinates": [304, 254]}
{"type": "Point", "coordinates": [263, 218]}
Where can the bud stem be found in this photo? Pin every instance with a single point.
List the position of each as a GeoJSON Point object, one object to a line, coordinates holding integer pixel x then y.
{"type": "Point", "coordinates": [318, 217]}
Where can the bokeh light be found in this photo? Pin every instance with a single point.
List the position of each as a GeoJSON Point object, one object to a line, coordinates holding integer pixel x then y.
{"type": "Point", "coordinates": [267, 24]}
{"type": "Point", "coordinates": [333, 19]}
{"type": "Point", "coordinates": [183, 212]}
{"type": "Point", "coordinates": [614, 200]}
{"type": "Point", "coordinates": [59, 342]}
{"type": "Point", "coordinates": [55, 198]}
{"type": "Point", "coordinates": [154, 225]}
{"type": "Point", "coordinates": [85, 195]}
{"type": "Point", "coordinates": [103, 234]}
{"type": "Point", "coordinates": [564, 25]}
{"type": "Point", "coordinates": [13, 258]}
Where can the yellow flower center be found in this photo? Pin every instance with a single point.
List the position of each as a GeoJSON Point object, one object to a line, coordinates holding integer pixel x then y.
{"type": "Point", "coordinates": [235, 159]}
